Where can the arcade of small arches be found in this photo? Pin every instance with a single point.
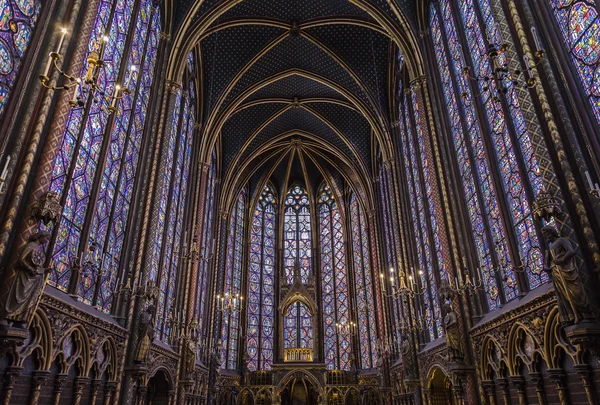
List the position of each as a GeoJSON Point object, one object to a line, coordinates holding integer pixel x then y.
{"type": "Point", "coordinates": [285, 202]}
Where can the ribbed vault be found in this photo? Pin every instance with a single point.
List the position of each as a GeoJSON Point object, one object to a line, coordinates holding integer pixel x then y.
{"type": "Point", "coordinates": [294, 86]}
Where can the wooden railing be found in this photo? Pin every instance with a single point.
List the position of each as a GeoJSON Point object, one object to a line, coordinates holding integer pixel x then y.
{"type": "Point", "coordinates": [297, 355]}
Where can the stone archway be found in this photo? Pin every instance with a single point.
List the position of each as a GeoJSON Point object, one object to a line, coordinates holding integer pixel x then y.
{"type": "Point", "coordinates": [160, 389]}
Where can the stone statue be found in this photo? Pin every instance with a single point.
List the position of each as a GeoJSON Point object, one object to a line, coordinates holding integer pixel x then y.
{"type": "Point", "coordinates": [573, 303]}
{"type": "Point", "coordinates": [218, 355]}
{"type": "Point", "coordinates": [452, 333]}
{"type": "Point", "coordinates": [190, 359]}
{"type": "Point", "coordinates": [21, 291]}
{"type": "Point", "coordinates": [145, 334]}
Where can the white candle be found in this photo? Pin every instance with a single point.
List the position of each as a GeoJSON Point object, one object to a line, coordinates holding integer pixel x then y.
{"type": "Point", "coordinates": [133, 69]}
{"type": "Point", "coordinates": [62, 40]}
{"type": "Point", "coordinates": [5, 170]}
{"type": "Point", "coordinates": [115, 97]}
{"type": "Point", "coordinates": [589, 179]}
{"type": "Point", "coordinates": [536, 39]}
{"type": "Point", "coordinates": [75, 94]}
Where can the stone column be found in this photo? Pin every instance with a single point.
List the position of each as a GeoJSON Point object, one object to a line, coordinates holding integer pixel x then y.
{"type": "Point", "coordinates": [10, 378]}
{"type": "Point", "coordinates": [586, 377]}
{"type": "Point", "coordinates": [79, 385]}
{"type": "Point", "coordinates": [109, 392]}
{"type": "Point", "coordinates": [490, 391]}
{"type": "Point", "coordinates": [519, 383]}
{"type": "Point", "coordinates": [538, 380]}
{"type": "Point", "coordinates": [558, 377]}
{"type": "Point", "coordinates": [38, 379]}
{"type": "Point", "coordinates": [503, 383]}
{"type": "Point", "coordinates": [96, 383]}
{"type": "Point", "coordinates": [59, 385]}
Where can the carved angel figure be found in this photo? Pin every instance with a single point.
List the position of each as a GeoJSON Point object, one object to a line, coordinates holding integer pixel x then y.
{"type": "Point", "coordinates": [22, 288]}
{"type": "Point", "coordinates": [573, 303]}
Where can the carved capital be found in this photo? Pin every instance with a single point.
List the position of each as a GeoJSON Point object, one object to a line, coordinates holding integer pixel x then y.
{"type": "Point", "coordinates": [59, 382]}
{"type": "Point", "coordinates": [11, 376]}
{"type": "Point", "coordinates": [39, 378]}
{"type": "Point", "coordinates": [47, 208]}
{"type": "Point", "coordinates": [79, 384]}
{"type": "Point", "coordinates": [557, 376]}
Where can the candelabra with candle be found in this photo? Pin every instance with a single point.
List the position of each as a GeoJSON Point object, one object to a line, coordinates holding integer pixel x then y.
{"type": "Point", "coordinates": [346, 328]}
{"type": "Point", "coordinates": [87, 85]}
{"type": "Point", "coordinates": [400, 287]}
{"type": "Point", "coordinates": [229, 303]}
{"type": "Point", "coordinates": [501, 73]}
{"type": "Point", "coordinates": [468, 285]}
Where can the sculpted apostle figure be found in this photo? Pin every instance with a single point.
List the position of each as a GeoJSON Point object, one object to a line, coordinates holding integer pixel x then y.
{"type": "Point", "coordinates": [22, 290]}
{"type": "Point", "coordinates": [573, 303]}
{"type": "Point", "coordinates": [145, 334]}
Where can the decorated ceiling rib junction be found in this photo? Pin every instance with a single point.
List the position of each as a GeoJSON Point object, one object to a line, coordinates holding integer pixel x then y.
{"type": "Point", "coordinates": [296, 78]}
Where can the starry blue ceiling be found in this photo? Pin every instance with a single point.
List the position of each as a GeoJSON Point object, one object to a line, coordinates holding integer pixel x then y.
{"type": "Point", "coordinates": [261, 55]}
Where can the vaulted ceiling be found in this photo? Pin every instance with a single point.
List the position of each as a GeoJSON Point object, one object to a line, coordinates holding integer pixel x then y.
{"type": "Point", "coordinates": [307, 84]}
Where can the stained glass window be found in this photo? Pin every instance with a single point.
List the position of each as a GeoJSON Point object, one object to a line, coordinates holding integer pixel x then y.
{"type": "Point", "coordinates": [17, 23]}
{"type": "Point", "coordinates": [390, 233]}
{"type": "Point", "coordinates": [261, 283]}
{"type": "Point", "coordinates": [166, 256]}
{"type": "Point", "coordinates": [479, 190]}
{"type": "Point", "coordinates": [297, 245]}
{"type": "Point", "coordinates": [230, 326]}
{"type": "Point", "coordinates": [512, 154]}
{"type": "Point", "coordinates": [207, 243]}
{"type": "Point", "coordinates": [419, 220]}
{"type": "Point", "coordinates": [580, 27]}
{"type": "Point", "coordinates": [334, 283]}
{"type": "Point", "coordinates": [363, 280]}
{"type": "Point", "coordinates": [297, 327]}
{"type": "Point", "coordinates": [96, 167]}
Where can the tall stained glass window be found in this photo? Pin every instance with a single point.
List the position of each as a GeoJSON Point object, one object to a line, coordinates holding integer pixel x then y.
{"type": "Point", "coordinates": [261, 283]}
{"type": "Point", "coordinates": [297, 327]}
{"type": "Point", "coordinates": [510, 154]}
{"type": "Point", "coordinates": [207, 243]}
{"type": "Point", "coordinates": [297, 244]}
{"type": "Point", "coordinates": [230, 326]}
{"type": "Point", "coordinates": [17, 22]}
{"type": "Point", "coordinates": [334, 283]}
{"type": "Point", "coordinates": [94, 171]}
{"type": "Point", "coordinates": [580, 27]}
{"type": "Point", "coordinates": [166, 254]}
{"type": "Point", "coordinates": [390, 233]}
{"type": "Point", "coordinates": [363, 280]}
{"type": "Point", "coordinates": [420, 221]}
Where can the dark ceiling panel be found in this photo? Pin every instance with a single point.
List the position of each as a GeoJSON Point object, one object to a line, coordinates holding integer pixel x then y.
{"type": "Point", "coordinates": [297, 119]}
{"type": "Point", "coordinates": [349, 122]}
{"type": "Point", "coordinates": [242, 124]}
{"type": "Point", "coordinates": [296, 86]}
{"type": "Point", "coordinates": [295, 10]}
{"type": "Point", "coordinates": [296, 52]}
{"type": "Point", "coordinates": [226, 52]}
{"type": "Point", "coordinates": [362, 49]}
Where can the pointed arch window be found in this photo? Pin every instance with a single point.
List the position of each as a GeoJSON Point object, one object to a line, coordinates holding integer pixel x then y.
{"type": "Point", "coordinates": [579, 25]}
{"type": "Point", "coordinates": [230, 326]}
{"type": "Point", "coordinates": [261, 284]}
{"type": "Point", "coordinates": [502, 140]}
{"type": "Point", "coordinates": [94, 171]}
{"type": "Point", "coordinates": [17, 25]}
{"type": "Point", "coordinates": [297, 236]}
{"type": "Point", "coordinates": [363, 281]}
{"type": "Point", "coordinates": [166, 256]}
{"type": "Point", "coordinates": [207, 245]}
{"type": "Point", "coordinates": [334, 282]}
{"type": "Point", "coordinates": [298, 327]}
